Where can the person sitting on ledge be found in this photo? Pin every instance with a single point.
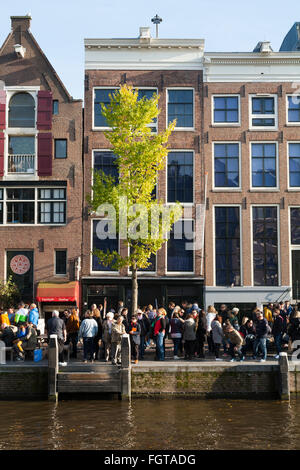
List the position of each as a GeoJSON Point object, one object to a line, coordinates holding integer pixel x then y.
{"type": "Point", "coordinates": [236, 342]}
{"type": "Point", "coordinates": [26, 339]}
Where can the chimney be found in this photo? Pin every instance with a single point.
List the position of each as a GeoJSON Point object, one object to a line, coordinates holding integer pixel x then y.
{"type": "Point", "coordinates": [20, 23]}
{"type": "Point", "coordinates": [145, 35]}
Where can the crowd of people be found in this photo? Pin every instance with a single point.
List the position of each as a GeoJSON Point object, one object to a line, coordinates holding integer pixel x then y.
{"type": "Point", "coordinates": [19, 329]}
{"type": "Point", "coordinates": [194, 332]}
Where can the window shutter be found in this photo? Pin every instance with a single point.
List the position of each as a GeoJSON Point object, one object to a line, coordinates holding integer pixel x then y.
{"type": "Point", "coordinates": [45, 154]}
{"type": "Point", "coordinates": [2, 154]}
{"type": "Point", "coordinates": [2, 108]}
{"type": "Point", "coordinates": [44, 114]}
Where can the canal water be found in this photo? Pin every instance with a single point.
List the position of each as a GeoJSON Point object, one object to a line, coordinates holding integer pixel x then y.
{"type": "Point", "coordinates": [150, 424]}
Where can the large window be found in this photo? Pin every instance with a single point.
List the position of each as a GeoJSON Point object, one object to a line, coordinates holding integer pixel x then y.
{"type": "Point", "coordinates": [33, 206]}
{"type": "Point", "coordinates": [295, 225]}
{"type": "Point", "coordinates": [227, 246]}
{"type": "Point", "coordinates": [263, 159]}
{"type": "Point", "coordinates": [263, 112]}
{"type": "Point", "coordinates": [101, 95]}
{"type": "Point", "coordinates": [294, 109]}
{"type": "Point", "coordinates": [226, 165]}
{"type": "Point", "coordinates": [21, 111]}
{"type": "Point", "coordinates": [225, 109]}
{"type": "Point", "coordinates": [106, 161]}
{"type": "Point", "coordinates": [265, 246]}
{"type": "Point", "coordinates": [52, 206]}
{"type": "Point", "coordinates": [21, 154]}
{"type": "Point", "coordinates": [294, 165]}
{"type": "Point", "coordinates": [148, 93]}
{"type": "Point", "coordinates": [181, 107]}
{"type": "Point", "coordinates": [180, 256]}
{"type": "Point", "coordinates": [180, 177]}
{"type": "Point", "coordinates": [104, 244]}
{"type": "Point", "coordinates": [20, 206]}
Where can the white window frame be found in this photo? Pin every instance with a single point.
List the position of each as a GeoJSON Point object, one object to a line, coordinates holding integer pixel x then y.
{"type": "Point", "coordinates": [290, 188]}
{"type": "Point", "coordinates": [154, 125]}
{"type": "Point", "coordinates": [55, 273]}
{"type": "Point", "coordinates": [262, 188]}
{"type": "Point", "coordinates": [20, 132]}
{"type": "Point", "coordinates": [100, 128]}
{"type": "Point", "coordinates": [101, 273]}
{"type": "Point", "coordinates": [182, 273]}
{"type": "Point", "coordinates": [226, 124]}
{"type": "Point", "coordinates": [290, 123]}
{"type": "Point", "coordinates": [214, 244]}
{"type": "Point", "coordinates": [278, 243]}
{"type": "Point", "coordinates": [36, 200]}
{"type": "Point", "coordinates": [189, 129]}
{"type": "Point", "coordinates": [184, 204]}
{"type": "Point", "coordinates": [226, 188]}
{"type": "Point", "coordinates": [263, 116]}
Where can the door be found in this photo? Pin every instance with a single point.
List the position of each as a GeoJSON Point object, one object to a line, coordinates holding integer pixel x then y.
{"type": "Point", "coordinates": [296, 274]}
{"type": "Point", "coordinates": [19, 265]}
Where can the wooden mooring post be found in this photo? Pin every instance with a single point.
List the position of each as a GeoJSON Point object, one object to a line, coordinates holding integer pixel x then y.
{"type": "Point", "coordinates": [52, 368]}
{"type": "Point", "coordinates": [284, 383]}
{"type": "Point", "coordinates": [125, 368]}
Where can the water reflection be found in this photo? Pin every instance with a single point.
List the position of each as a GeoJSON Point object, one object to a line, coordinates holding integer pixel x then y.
{"type": "Point", "coordinates": [150, 424]}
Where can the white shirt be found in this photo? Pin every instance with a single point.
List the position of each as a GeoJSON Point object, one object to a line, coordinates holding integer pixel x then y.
{"type": "Point", "coordinates": [23, 311]}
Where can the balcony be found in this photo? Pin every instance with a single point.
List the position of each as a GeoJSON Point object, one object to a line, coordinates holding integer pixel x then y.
{"type": "Point", "coordinates": [21, 164]}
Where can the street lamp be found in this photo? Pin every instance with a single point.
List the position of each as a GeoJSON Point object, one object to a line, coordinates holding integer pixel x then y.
{"type": "Point", "coordinates": [156, 20]}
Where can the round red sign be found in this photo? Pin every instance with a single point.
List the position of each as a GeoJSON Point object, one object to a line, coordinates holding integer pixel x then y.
{"type": "Point", "coordinates": [20, 264]}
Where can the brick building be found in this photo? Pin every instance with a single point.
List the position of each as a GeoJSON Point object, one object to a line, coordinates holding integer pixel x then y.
{"type": "Point", "coordinates": [252, 155]}
{"type": "Point", "coordinates": [40, 173]}
{"type": "Point", "coordinates": [173, 69]}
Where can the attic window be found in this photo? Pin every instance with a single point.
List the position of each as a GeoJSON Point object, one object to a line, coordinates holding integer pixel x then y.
{"type": "Point", "coordinates": [20, 50]}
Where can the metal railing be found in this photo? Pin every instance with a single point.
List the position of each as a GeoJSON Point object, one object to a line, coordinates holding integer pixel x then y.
{"type": "Point", "coordinates": [21, 164]}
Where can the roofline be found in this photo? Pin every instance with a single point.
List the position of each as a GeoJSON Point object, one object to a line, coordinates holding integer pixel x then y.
{"type": "Point", "coordinates": [143, 43]}
{"type": "Point", "coordinates": [69, 97]}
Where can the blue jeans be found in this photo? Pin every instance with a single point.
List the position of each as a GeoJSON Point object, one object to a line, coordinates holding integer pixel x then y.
{"type": "Point", "coordinates": [176, 342]}
{"type": "Point", "coordinates": [160, 347]}
{"type": "Point", "coordinates": [88, 348]}
{"type": "Point", "coordinates": [262, 344]}
{"type": "Point", "coordinates": [277, 340]}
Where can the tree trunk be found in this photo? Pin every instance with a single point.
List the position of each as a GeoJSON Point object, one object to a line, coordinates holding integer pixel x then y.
{"type": "Point", "coordinates": [134, 286]}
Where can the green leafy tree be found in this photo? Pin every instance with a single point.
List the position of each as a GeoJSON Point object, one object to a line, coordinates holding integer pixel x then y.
{"type": "Point", "coordinates": [9, 293]}
{"type": "Point", "coordinates": [139, 219]}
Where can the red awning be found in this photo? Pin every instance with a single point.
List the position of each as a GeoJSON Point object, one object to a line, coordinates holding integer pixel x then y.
{"type": "Point", "coordinates": [54, 292]}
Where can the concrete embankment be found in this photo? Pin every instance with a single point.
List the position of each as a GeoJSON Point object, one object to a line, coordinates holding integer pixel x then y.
{"type": "Point", "coordinates": [183, 379]}
{"type": "Point", "coordinates": [205, 380]}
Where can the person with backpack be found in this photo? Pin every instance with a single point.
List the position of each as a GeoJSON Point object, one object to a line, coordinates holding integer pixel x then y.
{"type": "Point", "coordinates": [277, 331]}
{"type": "Point", "coordinates": [159, 334]}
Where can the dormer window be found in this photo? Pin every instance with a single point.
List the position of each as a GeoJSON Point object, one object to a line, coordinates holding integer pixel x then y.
{"type": "Point", "coordinates": [21, 111]}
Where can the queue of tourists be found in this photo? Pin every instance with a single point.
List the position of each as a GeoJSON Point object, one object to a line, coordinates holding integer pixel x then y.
{"type": "Point", "coordinates": [223, 334]}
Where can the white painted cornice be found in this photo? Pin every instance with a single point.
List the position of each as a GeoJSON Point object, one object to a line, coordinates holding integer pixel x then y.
{"type": "Point", "coordinates": [144, 43]}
